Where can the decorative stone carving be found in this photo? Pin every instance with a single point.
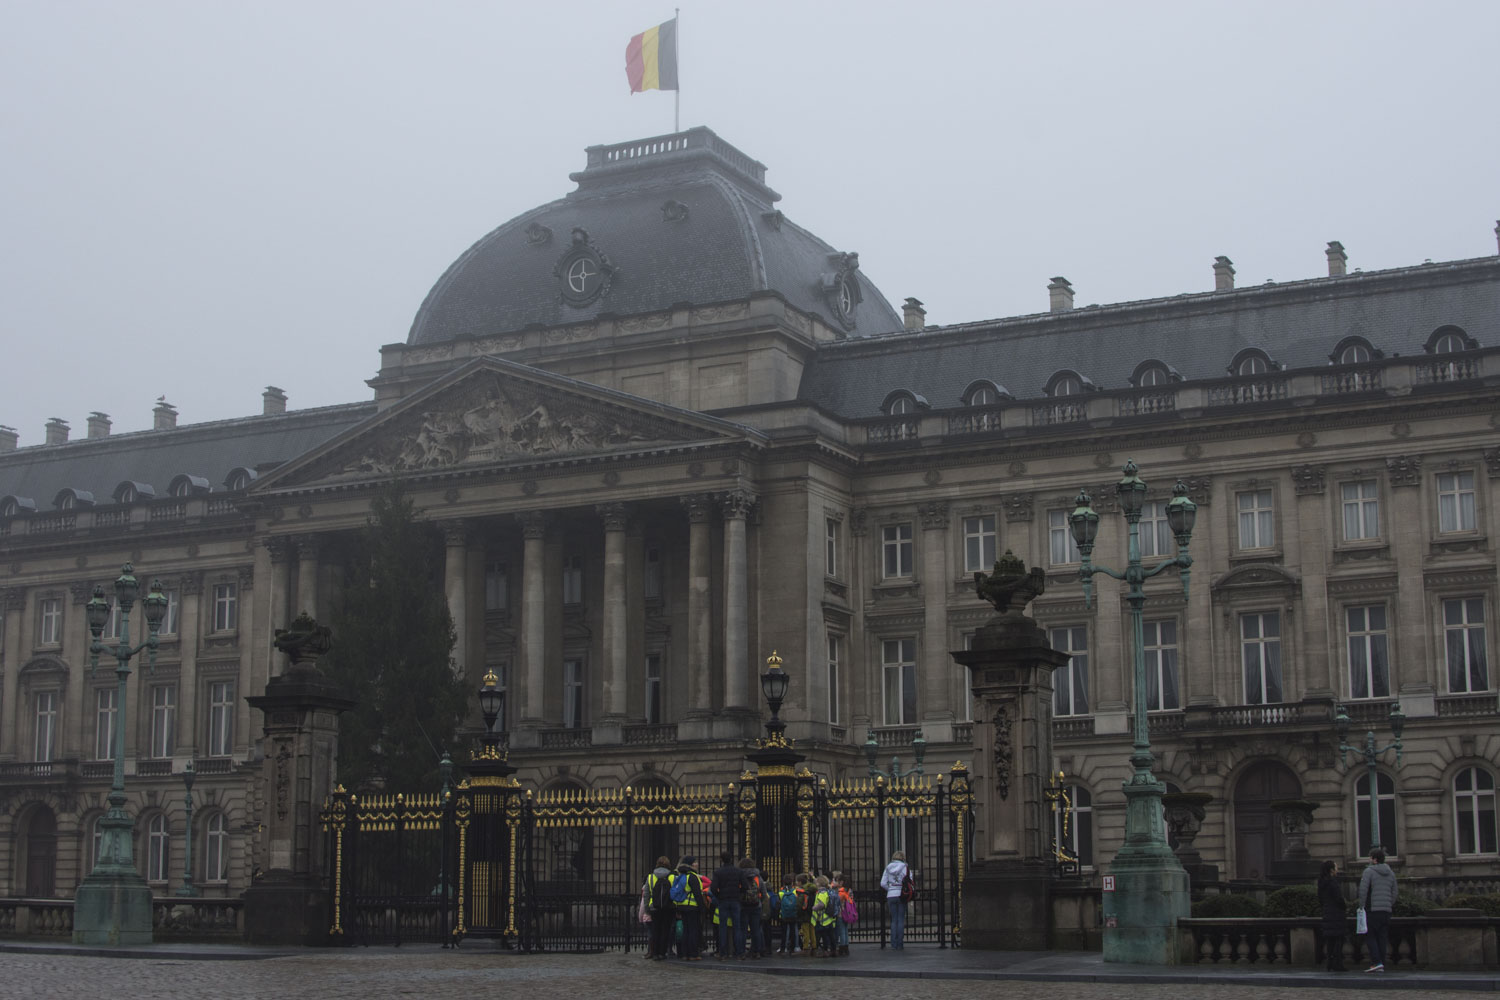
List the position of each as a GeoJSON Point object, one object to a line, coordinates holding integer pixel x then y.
{"type": "Point", "coordinates": [1011, 586]}
{"type": "Point", "coordinates": [1404, 470]}
{"type": "Point", "coordinates": [697, 506]}
{"type": "Point", "coordinates": [529, 487]}
{"type": "Point", "coordinates": [538, 235]}
{"type": "Point", "coordinates": [451, 495]}
{"type": "Point", "coordinates": [615, 515]}
{"type": "Point", "coordinates": [611, 478]}
{"type": "Point", "coordinates": [934, 514]}
{"type": "Point", "coordinates": [533, 524]}
{"type": "Point", "coordinates": [1104, 460]}
{"type": "Point", "coordinates": [583, 273]}
{"type": "Point", "coordinates": [1308, 479]}
{"type": "Point", "coordinates": [190, 584]}
{"type": "Point", "coordinates": [715, 314]}
{"type": "Point", "coordinates": [280, 547]}
{"type": "Point", "coordinates": [1306, 439]}
{"type": "Point", "coordinates": [932, 477]}
{"type": "Point", "coordinates": [247, 577]}
{"type": "Point", "coordinates": [1401, 429]}
{"type": "Point", "coordinates": [649, 321]}
{"type": "Point", "coordinates": [455, 533]}
{"type": "Point", "coordinates": [1193, 452]}
{"type": "Point", "coordinates": [1016, 468]}
{"type": "Point", "coordinates": [1019, 507]}
{"type": "Point", "coordinates": [736, 503]}
{"type": "Point", "coordinates": [1004, 751]}
{"type": "Point", "coordinates": [673, 210]}
{"type": "Point", "coordinates": [858, 522]}
{"type": "Point", "coordinates": [12, 599]}
{"type": "Point", "coordinates": [1492, 462]}
{"type": "Point", "coordinates": [695, 470]}
{"type": "Point", "coordinates": [82, 590]}
{"type": "Point", "coordinates": [1200, 490]}
{"type": "Point", "coordinates": [774, 219]}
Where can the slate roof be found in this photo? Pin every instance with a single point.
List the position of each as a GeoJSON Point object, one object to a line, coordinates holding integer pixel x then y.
{"type": "Point", "coordinates": [732, 243]}
{"type": "Point", "coordinates": [211, 450]}
{"type": "Point", "coordinates": [1298, 324]}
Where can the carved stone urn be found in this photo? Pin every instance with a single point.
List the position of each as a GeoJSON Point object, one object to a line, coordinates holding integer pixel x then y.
{"type": "Point", "coordinates": [1294, 817]}
{"type": "Point", "coordinates": [1185, 812]}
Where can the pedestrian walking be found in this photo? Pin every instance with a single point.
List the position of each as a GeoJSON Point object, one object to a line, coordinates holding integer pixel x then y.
{"type": "Point", "coordinates": [688, 903]}
{"type": "Point", "coordinates": [729, 893]}
{"type": "Point", "coordinates": [1377, 897]}
{"type": "Point", "coordinates": [893, 880]}
{"type": "Point", "coordinates": [1335, 919]}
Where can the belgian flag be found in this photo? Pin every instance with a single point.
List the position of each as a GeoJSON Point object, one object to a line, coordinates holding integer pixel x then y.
{"type": "Point", "coordinates": [651, 58]}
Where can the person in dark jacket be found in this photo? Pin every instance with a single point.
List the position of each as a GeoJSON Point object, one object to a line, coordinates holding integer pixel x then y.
{"type": "Point", "coordinates": [1335, 918]}
{"type": "Point", "coordinates": [750, 908]}
{"type": "Point", "coordinates": [658, 895]}
{"type": "Point", "coordinates": [1377, 894]}
{"type": "Point", "coordinates": [729, 891]}
{"type": "Point", "coordinates": [690, 911]}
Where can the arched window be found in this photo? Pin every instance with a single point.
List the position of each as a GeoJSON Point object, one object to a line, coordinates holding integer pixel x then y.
{"type": "Point", "coordinates": [1450, 340]}
{"type": "Point", "coordinates": [239, 479]}
{"type": "Point", "coordinates": [902, 401]}
{"type": "Point", "coordinates": [1474, 812]}
{"type": "Point", "coordinates": [900, 405]}
{"type": "Point", "coordinates": [96, 841]}
{"type": "Point", "coordinates": [125, 494]}
{"type": "Point", "coordinates": [984, 393]}
{"type": "Point", "coordinates": [1386, 795]}
{"type": "Point", "coordinates": [1153, 373]}
{"type": "Point", "coordinates": [1065, 383]}
{"type": "Point", "coordinates": [158, 849]}
{"type": "Point", "coordinates": [1251, 361]}
{"type": "Point", "coordinates": [9, 507]}
{"type": "Point", "coordinates": [182, 487]}
{"type": "Point", "coordinates": [1353, 351]}
{"type": "Point", "coordinates": [215, 849]}
{"type": "Point", "coordinates": [1073, 825]}
{"type": "Point", "coordinates": [66, 501]}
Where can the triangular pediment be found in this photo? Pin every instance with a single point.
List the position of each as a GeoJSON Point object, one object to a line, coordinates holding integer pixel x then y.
{"type": "Point", "coordinates": [493, 412]}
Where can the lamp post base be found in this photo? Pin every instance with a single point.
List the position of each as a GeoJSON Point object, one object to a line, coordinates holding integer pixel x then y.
{"type": "Point", "coordinates": [1151, 889]}
{"type": "Point", "coordinates": [112, 908]}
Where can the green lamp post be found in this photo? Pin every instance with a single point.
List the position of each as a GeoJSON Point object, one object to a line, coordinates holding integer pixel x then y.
{"type": "Point", "coordinates": [1147, 889]}
{"type": "Point", "coordinates": [189, 775]}
{"type": "Point", "coordinates": [1371, 752]}
{"type": "Point", "coordinates": [113, 903]}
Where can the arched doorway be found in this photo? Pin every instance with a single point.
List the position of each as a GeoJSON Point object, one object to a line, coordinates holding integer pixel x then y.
{"type": "Point", "coordinates": [1257, 836]}
{"type": "Point", "coordinates": [38, 861]}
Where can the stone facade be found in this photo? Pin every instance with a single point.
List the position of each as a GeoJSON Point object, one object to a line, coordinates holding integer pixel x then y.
{"type": "Point", "coordinates": [637, 508]}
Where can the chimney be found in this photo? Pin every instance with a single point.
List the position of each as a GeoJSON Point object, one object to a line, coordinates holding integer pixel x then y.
{"type": "Point", "coordinates": [9, 439]}
{"type": "Point", "coordinates": [1223, 274]}
{"type": "Point", "coordinates": [165, 415]}
{"type": "Point", "coordinates": [98, 425]}
{"type": "Point", "coordinates": [273, 400]}
{"type": "Point", "coordinates": [57, 431]}
{"type": "Point", "coordinates": [1060, 292]}
{"type": "Point", "coordinates": [914, 314]}
{"type": "Point", "coordinates": [1338, 261]}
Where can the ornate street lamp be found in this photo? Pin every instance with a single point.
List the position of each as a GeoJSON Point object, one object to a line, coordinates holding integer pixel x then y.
{"type": "Point", "coordinates": [1371, 754]}
{"type": "Point", "coordinates": [189, 775]}
{"type": "Point", "coordinates": [1151, 888]}
{"type": "Point", "coordinates": [491, 706]}
{"type": "Point", "coordinates": [113, 904]}
{"type": "Point", "coordinates": [918, 750]}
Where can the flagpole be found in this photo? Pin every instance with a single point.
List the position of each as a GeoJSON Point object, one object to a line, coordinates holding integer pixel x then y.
{"type": "Point", "coordinates": [677, 94]}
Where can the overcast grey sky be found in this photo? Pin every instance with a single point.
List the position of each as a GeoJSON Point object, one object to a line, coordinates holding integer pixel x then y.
{"type": "Point", "coordinates": [203, 198]}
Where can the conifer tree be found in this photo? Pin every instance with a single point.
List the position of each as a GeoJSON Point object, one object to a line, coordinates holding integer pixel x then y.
{"type": "Point", "coordinates": [392, 651]}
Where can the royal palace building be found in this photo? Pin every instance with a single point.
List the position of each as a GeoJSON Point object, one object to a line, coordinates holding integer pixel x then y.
{"type": "Point", "coordinates": [665, 431]}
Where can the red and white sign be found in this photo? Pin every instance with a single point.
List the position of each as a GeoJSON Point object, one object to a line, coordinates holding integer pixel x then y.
{"type": "Point", "coordinates": [1109, 883]}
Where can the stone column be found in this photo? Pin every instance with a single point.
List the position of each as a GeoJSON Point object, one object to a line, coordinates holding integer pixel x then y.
{"type": "Point", "coordinates": [456, 586]}
{"type": "Point", "coordinates": [12, 604]}
{"type": "Point", "coordinates": [189, 591]}
{"type": "Point", "coordinates": [699, 612]}
{"type": "Point", "coordinates": [533, 622]}
{"type": "Point", "coordinates": [635, 623]}
{"type": "Point", "coordinates": [289, 905]}
{"type": "Point", "coordinates": [1308, 535]}
{"type": "Point", "coordinates": [1007, 897]}
{"type": "Point", "coordinates": [280, 548]}
{"type": "Point", "coordinates": [1407, 531]}
{"type": "Point", "coordinates": [307, 574]}
{"type": "Point", "coordinates": [616, 682]}
{"type": "Point", "coordinates": [936, 707]}
{"type": "Point", "coordinates": [735, 506]}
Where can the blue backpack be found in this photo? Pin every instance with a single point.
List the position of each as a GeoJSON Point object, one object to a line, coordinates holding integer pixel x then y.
{"type": "Point", "coordinates": [789, 905]}
{"type": "Point", "coordinates": [680, 888]}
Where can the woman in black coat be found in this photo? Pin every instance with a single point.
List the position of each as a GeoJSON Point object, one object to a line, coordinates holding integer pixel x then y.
{"type": "Point", "coordinates": [1335, 916]}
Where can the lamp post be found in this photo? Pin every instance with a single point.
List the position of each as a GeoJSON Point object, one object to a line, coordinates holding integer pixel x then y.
{"type": "Point", "coordinates": [1151, 888]}
{"type": "Point", "coordinates": [113, 904]}
{"type": "Point", "coordinates": [492, 707]}
{"type": "Point", "coordinates": [189, 775]}
{"type": "Point", "coordinates": [918, 750]}
{"type": "Point", "coordinates": [1372, 754]}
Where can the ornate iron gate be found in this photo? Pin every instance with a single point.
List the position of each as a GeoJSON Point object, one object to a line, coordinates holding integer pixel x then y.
{"type": "Point", "coordinates": [561, 869]}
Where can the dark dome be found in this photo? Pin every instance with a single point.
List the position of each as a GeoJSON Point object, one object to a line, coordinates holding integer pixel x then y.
{"type": "Point", "coordinates": [653, 223]}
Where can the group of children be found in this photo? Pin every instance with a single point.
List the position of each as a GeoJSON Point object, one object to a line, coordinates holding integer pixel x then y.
{"type": "Point", "coordinates": [808, 915]}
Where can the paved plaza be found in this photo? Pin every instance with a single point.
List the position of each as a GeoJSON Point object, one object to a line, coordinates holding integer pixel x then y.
{"type": "Point", "coordinates": [475, 971]}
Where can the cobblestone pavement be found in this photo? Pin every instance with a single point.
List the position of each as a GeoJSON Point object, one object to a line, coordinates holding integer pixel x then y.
{"type": "Point", "coordinates": [434, 974]}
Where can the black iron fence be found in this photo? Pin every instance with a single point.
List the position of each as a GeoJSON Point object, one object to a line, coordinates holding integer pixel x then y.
{"type": "Point", "coordinates": [561, 870]}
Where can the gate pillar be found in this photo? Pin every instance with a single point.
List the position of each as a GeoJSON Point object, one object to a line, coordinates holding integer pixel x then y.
{"type": "Point", "coordinates": [783, 825]}
{"type": "Point", "coordinates": [1007, 893]}
{"type": "Point", "coordinates": [288, 904]}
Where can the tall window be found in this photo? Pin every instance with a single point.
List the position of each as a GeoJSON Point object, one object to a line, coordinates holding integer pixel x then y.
{"type": "Point", "coordinates": [1455, 501]}
{"type": "Point", "coordinates": [496, 586]}
{"type": "Point", "coordinates": [1073, 824]}
{"type": "Point", "coordinates": [1463, 639]}
{"type": "Point", "coordinates": [226, 607]}
{"type": "Point", "coordinates": [96, 842]}
{"type": "Point", "coordinates": [158, 849]}
{"type": "Point", "coordinates": [1369, 665]}
{"type": "Point", "coordinates": [1260, 652]}
{"type": "Point", "coordinates": [215, 849]}
{"type": "Point", "coordinates": [171, 621]}
{"type": "Point", "coordinates": [572, 580]}
{"type": "Point", "coordinates": [1070, 685]}
{"type": "Point", "coordinates": [1474, 811]}
{"type": "Point", "coordinates": [106, 717]}
{"type": "Point", "coordinates": [830, 547]}
{"type": "Point", "coordinates": [1161, 665]}
{"type": "Point", "coordinates": [163, 719]}
{"type": "Point", "coordinates": [895, 543]}
{"type": "Point", "coordinates": [979, 543]}
{"type": "Point", "coordinates": [834, 648]}
{"type": "Point", "coordinates": [1386, 790]}
{"type": "Point", "coordinates": [45, 744]}
{"type": "Point", "coordinates": [112, 627]}
{"type": "Point", "coordinates": [573, 693]}
{"type": "Point", "coordinates": [1062, 550]}
{"type": "Point", "coordinates": [653, 688]}
{"type": "Point", "coordinates": [49, 624]}
{"type": "Point", "coordinates": [220, 718]}
{"type": "Point", "coordinates": [1361, 510]}
{"type": "Point", "coordinates": [653, 573]}
{"type": "Point", "coordinates": [1156, 532]}
{"type": "Point", "coordinates": [1257, 523]}
{"type": "Point", "coordinates": [898, 659]}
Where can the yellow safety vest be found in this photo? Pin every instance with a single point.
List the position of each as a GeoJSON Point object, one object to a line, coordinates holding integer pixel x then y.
{"type": "Point", "coordinates": [825, 916]}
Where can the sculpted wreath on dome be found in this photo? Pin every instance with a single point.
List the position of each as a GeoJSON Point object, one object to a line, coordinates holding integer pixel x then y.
{"type": "Point", "coordinates": [504, 425]}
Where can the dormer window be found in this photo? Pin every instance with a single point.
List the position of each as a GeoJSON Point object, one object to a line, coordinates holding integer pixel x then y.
{"type": "Point", "coordinates": [66, 501]}
{"type": "Point", "coordinates": [239, 479]}
{"type": "Point", "coordinates": [1252, 361]}
{"type": "Point", "coordinates": [71, 499]}
{"type": "Point", "coordinates": [1354, 351]}
{"type": "Point", "coordinates": [126, 494]}
{"type": "Point", "coordinates": [11, 505]}
{"type": "Point", "coordinates": [985, 393]}
{"type": "Point", "coordinates": [187, 485]}
{"type": "Point", "coordinates": [1068, 383]}
{"type": "Point", "coordinates": [1153, 373]}
{"type": "Point", "coordinates": [181, 488]}
{"type": "Point", "coordinates": [902, 402]}
{"type": "Point", "coordinates": [1450, 340]}
{"type": "Point", "coordinates": [133, 492]}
